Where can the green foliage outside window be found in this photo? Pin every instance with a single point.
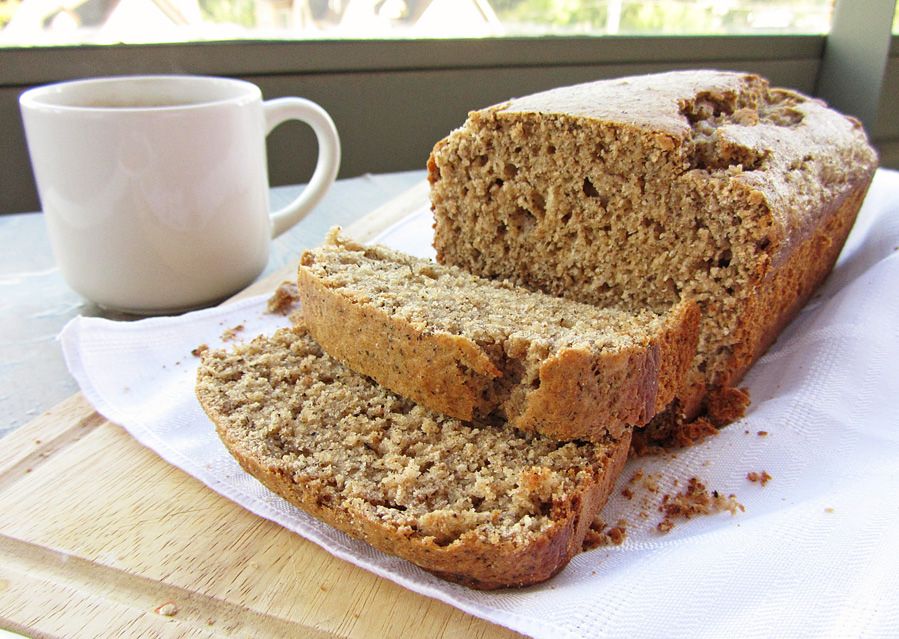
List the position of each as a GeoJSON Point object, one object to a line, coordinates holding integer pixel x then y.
{"type": "Point", "coordinates": [560, 13]}
{"type": "Point", "coordinates": [242, 12]}
{"type": "Point", "coordinates": [292, 18]}
{"type": "Point", "coordinates": [593, 16]}
{"type": "Point", "coordinates": [7, 8]}
{"type": "Point", "coordinates": [669, 16]}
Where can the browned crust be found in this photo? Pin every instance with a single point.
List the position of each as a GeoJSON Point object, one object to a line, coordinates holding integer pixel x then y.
{"type": "Point", "coordinates": [468, 560]}
{"type": "Point", "coordinates": [580, 394]}
{"type": "Point", "coordinates": [784, 291]}
{"type": "Point", "coordinates": [725, 405]}
{"type": "Point", "coordinates": [778, 298]}
{"type": "Point", "coordinates": [445, 373]}
{"type": "Point", "coordinates": [677, 348]}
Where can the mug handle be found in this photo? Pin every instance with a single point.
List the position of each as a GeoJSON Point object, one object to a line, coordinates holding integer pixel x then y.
{"type": "Point", "coordinates": [280, 110]}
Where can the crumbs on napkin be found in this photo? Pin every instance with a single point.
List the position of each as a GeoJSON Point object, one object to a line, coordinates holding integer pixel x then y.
{"type": "Point", "coordinates": [695, 500]}
{"type": "Point", "coordinates": [649, 482]}
{"type": "Point", "coordinates": [723, 406]}
{"type": "Point", "coordinates": [283, 300]}
{"type": "Point", "coordinates": [683, 434]}
{"type": "Point", "coordinates": [199, 350]}
{"type": "Point", "coordinates": [645, 484]}
{"type": "Point", "coordinates": [761, 478]}
{"type": "Point", "coordinates": [601, 535]}
{"type": "Point", "coordinates": [231, 333]}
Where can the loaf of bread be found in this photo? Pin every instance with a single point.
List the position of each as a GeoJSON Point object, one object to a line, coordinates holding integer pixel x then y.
{"type": "Point", "coordinates": [644, 191]}
{"type": "Point", "coordinates": [475, 348]}
{"type": "Point", "coordinates": [479, 504]}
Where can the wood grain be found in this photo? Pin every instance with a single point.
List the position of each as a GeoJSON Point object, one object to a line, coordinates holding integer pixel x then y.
{"type": "Point", "coordinates": [101, 538]}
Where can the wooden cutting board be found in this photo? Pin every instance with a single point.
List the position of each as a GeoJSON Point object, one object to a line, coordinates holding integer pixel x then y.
{"type": "Point", "coordinates": [100, 537]}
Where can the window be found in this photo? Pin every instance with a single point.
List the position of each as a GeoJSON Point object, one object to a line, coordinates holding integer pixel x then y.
{"type": "Point", "coordinates": [56, 22]}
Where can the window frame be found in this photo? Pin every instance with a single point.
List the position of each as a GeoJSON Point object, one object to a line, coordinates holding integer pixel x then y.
{"type": "Point", "coordinates": [488, 70]}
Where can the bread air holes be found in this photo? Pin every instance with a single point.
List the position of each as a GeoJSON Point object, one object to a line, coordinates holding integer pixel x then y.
{"type": "Point", "coordinates": [721, 260]}
{"type": "Point", "coordinates": [522, 220]}
{"type": "Point", "coordinates": [711, 154]}
{"type": "Point", "coordinates": [586, 234]}
{"type": "Point", "coordinates": [724, 258]}
{"type": "Point", "coordinates": [673, 287]}
{"type": "Point", "coordinates": [780, 109]}
{"type": "Point", "coordinates": [707, 106]}
{"type": "Point", "coordinates": [656, 228]}
{"type": "Point", "coordinates": [590, 190]}
{"type": "Point", "coordinates": [606, 291]}
{"type": "Point", "coordinates": [789, 118]}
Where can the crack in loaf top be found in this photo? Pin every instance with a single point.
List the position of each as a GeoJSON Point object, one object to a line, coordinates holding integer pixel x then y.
{"type": "Point", "coordinates": [650, 102]}
{"type": "Point", "coordinates": [792, 152]}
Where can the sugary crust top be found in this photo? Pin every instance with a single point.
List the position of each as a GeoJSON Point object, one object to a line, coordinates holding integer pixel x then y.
{"type": "Point", "coordinates": [645, 101]}
{"type": "Point", "coordinates": [783, 149]}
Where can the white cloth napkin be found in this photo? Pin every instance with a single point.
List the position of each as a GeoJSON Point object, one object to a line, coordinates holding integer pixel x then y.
{"type": "Point", "coordinates": [816, 552]}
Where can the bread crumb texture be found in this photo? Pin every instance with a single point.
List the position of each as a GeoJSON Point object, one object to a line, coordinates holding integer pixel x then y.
{"type": "Point", "coordinates": [230, 334]}
{"type": "Point", "coordinates": [672, 429]}
{"type": "Point", "coordinates": [761, 477]}
{"type": "Point", "coordinates": [642, 191]}
{"type": "Point", "coordinates": [602, 535]}
{"type": "Point", "coordinates": [692, 501]}
{"type": "Point", "coordinates": [284, 300]}
{"type": "Point", "coordinates": [470, 347]}
{"type": "Point", "coordinates": [477, 503]}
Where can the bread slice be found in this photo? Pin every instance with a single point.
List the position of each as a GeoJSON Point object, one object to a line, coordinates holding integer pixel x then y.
{"type": "Point", "coordinates": [469, 347]}
{"type": "Point", "coordinates": [646, 190]}
{"type": "Point", "coordinates": [479, 504]}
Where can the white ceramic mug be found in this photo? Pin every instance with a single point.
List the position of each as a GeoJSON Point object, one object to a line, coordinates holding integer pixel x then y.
{"type": "Point", "coordinates": [155, 188]}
